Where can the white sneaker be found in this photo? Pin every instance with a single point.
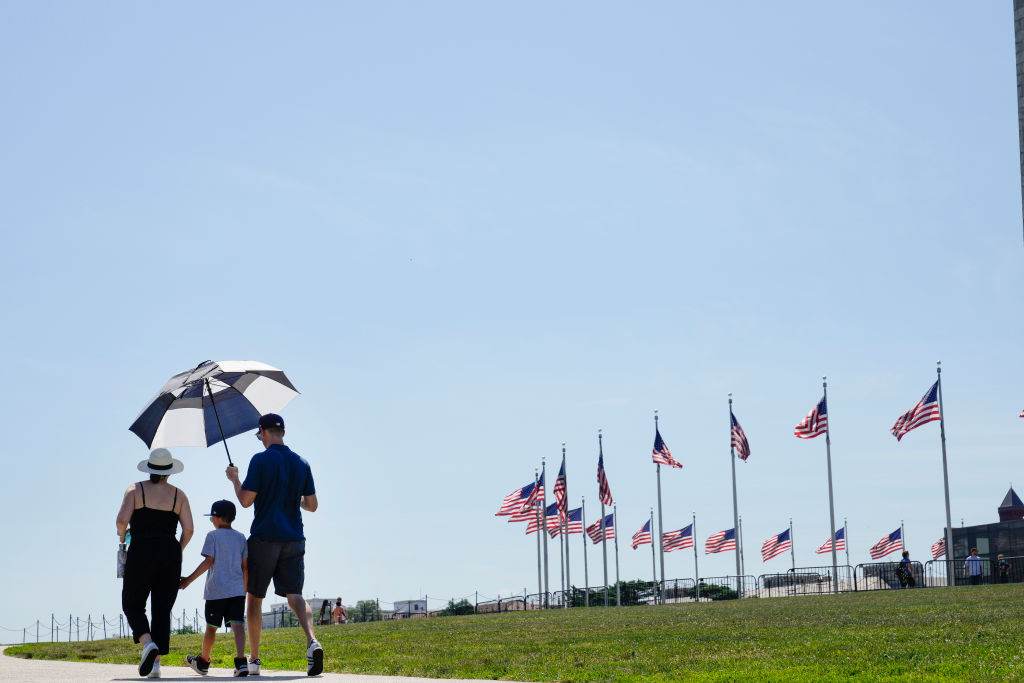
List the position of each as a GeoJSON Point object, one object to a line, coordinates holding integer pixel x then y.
{"type": "Point", "coordinates": [155, 673]}
{"type": "Point", "coordinates": [314, 659]}
{"type": "Point", "coordinates": [149, 654]}
{"type": "Point", "coordinates": [254, 667]}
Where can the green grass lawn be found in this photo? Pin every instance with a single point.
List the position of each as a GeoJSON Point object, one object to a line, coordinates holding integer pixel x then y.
{"type": "Point", "coordinates": [972, 633]}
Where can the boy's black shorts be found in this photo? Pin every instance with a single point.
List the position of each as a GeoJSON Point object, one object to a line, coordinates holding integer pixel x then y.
{"type": "Point", "coordinates": [225, 611]}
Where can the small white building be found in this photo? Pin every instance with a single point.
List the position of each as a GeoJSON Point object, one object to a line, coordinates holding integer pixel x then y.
{"type": "Point", "coordinates": [410, 608]}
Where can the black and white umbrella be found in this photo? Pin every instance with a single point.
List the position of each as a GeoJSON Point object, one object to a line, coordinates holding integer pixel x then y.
{"type": "Point", "coordinates": [213, 402]}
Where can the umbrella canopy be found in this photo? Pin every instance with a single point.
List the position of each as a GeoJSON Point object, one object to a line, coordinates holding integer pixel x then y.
{"type": "Point", "coordinates": [212, 402]}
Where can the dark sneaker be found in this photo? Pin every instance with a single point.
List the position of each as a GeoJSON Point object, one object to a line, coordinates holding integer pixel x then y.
{"type": "Point", "coordinates": [241, 667]}
{"type": "Point", "coordinates": [314, 659]}
{"type": "Point", "coordinates": [149, 654]}
{"type": "Point", "coordinates": [198, 664]}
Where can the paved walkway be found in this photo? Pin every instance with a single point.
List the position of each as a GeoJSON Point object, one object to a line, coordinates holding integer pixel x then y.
{"type": "Point", "coordinates": [40, 671]}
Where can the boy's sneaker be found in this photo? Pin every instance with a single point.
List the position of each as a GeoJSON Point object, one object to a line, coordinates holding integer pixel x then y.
{"type": "Point", "coordinates": [198, 664]}
{"type": "Point", "coordinates": [155, 673]}
{"type": "Point", "coordinates": [149, 654]}
{"type": "Point", "coordinates": [254, 667]}
{"type": "Point", "coordinates": [314, 659]}
{"type": "Point", "coordinates": [241, 667]}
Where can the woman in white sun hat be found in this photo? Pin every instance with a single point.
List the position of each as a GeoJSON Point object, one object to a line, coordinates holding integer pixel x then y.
{"type": "Point", "coordinates": [151, 511]}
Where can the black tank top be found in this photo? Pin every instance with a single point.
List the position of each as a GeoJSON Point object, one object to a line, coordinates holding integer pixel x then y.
{"type": "Point", "coordinates": [150, 523]}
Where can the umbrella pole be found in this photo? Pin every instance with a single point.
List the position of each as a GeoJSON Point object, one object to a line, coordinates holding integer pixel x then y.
{"type": "Point", "coordinates": [217, 415]}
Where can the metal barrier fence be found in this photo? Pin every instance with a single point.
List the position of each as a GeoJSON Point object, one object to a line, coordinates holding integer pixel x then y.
{"type": "Point", "coordinates": [807, 581]}
{"type": "Point", "coordinates": [680, 590]}
{"type": "Point", "coordinates": [870, 576]}
{"type": "Point", "coordinates": [873, 576]}
{"type": "Point", "coordinates": [985, 571]}
{"type": "Point", "coordinates": [726, 587]}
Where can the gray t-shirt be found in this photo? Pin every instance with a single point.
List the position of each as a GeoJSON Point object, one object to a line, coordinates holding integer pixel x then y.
{"type": "Point", "coordinates": [227, 547]}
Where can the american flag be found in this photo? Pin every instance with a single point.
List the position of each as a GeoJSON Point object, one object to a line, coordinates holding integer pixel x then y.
{"type": "Point", "coordinates": [661, 455]}
{"type": "Point", "coordinates": [594, 530]}
{"type": "Point", "coordinates": [720, 542]}
{"type": "Point", "coordinates": [561, 493]}
{"type": "Point", "coordinates": [573, 526]}
{"type": "Point", "coordinates": [826, 547]}
{"type": "Point", "coordinates": [679, 539]}
{"type": "Point", "coordinates": [815, 424]}
{"type": "Point", "coordinates": [604, 492]}
{"type": "Point", "coordinates": [887, 544]}
{"type": "Point", "coordinates": [926, 410]}
{"type": "Point", "coordinates": [938, 548]}
{"type": "Point", "coordinates": [642, 537]}
{"type": "Point", "coordinates": [550, 519]}
{"type": "Point", "coordinates": [529, 509]}
{"type": "Point", "coordinates": [739, 439]}
{"type": "Point", "coordinates": [775, 545]}
{"type": "Point", "coordinates": [516, 501]}
{"type": "Point", "coordinates": [527, 514]}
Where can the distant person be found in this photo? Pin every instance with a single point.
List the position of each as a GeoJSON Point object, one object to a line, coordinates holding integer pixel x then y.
{"type": "Point", "coordinates": [280, 483]}
{"type": "Point", "coordinates": [905, 571]}
{"type": "Point", "coordinates": [972, 567]}
{"type": "Point", "coordinates": [339, 615]}
{"type": "Point", "coordinates": [1003, 567]}
{"type": "Point", "coordinates": [224, 555]}
{"type": "Point", "coordinates": [151, 512]}
{"type": "Point", "coordinates": [325, 613]}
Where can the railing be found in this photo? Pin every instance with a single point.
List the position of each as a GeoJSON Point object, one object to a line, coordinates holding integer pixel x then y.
{"type": "Point", "coordinates": [726, 587]}
{"type": "Point", "coordinates": [987, 571]}
{"type": "Point", "coordinates": [869, 576]}
{"type": "Point", "coordinates": [873, 576]}
{"type": "Point", "coordinates": [807, 581]}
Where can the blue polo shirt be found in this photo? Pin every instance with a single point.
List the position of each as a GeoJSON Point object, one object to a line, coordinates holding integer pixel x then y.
{"type": "Point", "coordinates": [279, 478]}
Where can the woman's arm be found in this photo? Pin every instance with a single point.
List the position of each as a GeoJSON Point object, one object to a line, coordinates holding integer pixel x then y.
{"type": "Point", "coordinates": [124, 514]}
{"type": "Point", "coordinates": [185, 517]}
{"type": "Point", "coordinates": [245, 572]}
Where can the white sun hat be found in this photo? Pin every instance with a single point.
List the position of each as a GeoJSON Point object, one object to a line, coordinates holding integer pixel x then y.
{"type": "Point", "coordinates": [161, 462]}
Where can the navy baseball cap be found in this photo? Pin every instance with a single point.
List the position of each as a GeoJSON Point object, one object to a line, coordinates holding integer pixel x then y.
{"type": "Point", "coordinates": [271, 421]}
{"type": "Point", "coordinates": [224, 509]}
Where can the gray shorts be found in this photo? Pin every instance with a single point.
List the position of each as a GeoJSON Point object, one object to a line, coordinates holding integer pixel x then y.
{"type": "Point", "coordinates": [282, 561]}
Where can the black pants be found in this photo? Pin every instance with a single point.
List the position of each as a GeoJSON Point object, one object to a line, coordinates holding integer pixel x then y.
{"type": "Point", "coordinates": [153, 568]}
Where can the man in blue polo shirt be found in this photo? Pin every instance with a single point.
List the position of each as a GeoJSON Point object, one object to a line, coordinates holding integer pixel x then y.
{"type": "Point", "coordinates": [280, 483]}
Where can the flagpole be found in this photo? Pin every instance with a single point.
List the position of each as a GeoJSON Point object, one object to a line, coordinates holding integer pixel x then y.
{"type": "Point", "coordinates": [544, 527]}
{"type": "Point", "coordinates": [661, 524]}
{"type": "Point", "coordinates": [540, 580]}
{"type": "Point", "coordinates": [604, 541]}
{"type": "Point", "coordinates": [945, 473]}
{"type": "Point", "coordinates": [831, 505]}
{"type": "Point", "coordinates": [654, 564]}
{"type": "Point", "coordinates": [739, 545]}
{"type": "Point", "coordinates": [561, 559]}
{"type": "Point", "coordinates": [615, 528]}
{"type": "Point", "coordinates": [696, 571]}
{"type": "Point", "coordinates": [903, 537]}
{"type": "Point", "coordinates": [565, 523]}
{"type": "Point", "coordinates": [583, 537]}
{"type": "Point", "coordinates": [792, 551]}
{"type": "Point", "coordinates": [735, 504]}
{"type": "Point", "coordinates": [846, 541]}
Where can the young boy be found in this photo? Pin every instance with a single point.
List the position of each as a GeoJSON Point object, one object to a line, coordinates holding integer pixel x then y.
{"type": "Point", "coordinates": [225, 556]}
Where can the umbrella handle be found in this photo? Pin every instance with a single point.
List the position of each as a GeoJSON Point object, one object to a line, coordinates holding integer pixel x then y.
{"type": "Point", "coordinates": [217, 415]}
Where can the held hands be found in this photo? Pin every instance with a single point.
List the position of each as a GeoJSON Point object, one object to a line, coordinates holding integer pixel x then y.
{"type": "Point", "coordinates": [183, 583]}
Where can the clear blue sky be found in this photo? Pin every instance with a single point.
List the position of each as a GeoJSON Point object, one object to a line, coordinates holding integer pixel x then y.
{"type": "Point", "coordinates": [469, 233]}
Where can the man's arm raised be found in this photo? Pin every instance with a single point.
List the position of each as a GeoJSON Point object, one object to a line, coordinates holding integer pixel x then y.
{"type": "Point", "coordinates": [245, 497]}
